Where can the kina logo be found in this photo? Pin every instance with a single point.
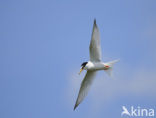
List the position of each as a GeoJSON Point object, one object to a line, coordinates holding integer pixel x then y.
{"type": "Point", "coordinates": [134, 112]}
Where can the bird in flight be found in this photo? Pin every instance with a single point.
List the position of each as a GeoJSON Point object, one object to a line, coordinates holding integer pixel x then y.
{"type": "Point", "coordinates": [93, 65]}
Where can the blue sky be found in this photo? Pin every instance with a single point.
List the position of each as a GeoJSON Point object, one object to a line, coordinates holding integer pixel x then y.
{"type": "Point", "coordinates": [44, 42]}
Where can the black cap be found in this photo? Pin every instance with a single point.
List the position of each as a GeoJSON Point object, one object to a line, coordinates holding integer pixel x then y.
{"type": "Point", "coordinates": [84, 64]}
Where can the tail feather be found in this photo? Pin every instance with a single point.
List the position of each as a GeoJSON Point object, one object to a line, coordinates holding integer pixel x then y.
{"type": "Point", "coordinates": [109, 72]}
{"type": "Point", "coordinates": [111, 64]}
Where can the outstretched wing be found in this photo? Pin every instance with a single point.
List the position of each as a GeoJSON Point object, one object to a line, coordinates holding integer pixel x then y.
{"type": "Point", "coordinates": [85, 85]}
{"type": "Point", "coordinates": [95, 47]}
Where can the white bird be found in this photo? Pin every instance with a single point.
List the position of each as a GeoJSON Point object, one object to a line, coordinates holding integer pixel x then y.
{"type": "Point", "coordinates": [93, 65]}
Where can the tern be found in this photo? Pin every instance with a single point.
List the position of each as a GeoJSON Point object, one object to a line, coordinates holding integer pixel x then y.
{"type": "Point", "coordinates": [93, 65]}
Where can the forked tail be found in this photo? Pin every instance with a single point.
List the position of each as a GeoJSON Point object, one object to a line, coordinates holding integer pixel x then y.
{"type": "Point", "coordinates": [110, 64]}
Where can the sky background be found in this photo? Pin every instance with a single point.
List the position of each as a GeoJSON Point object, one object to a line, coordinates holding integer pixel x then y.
{"type": "Point", "coordinates": [44, 42]}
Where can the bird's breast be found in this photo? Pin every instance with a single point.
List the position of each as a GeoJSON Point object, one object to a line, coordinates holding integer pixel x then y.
{"type": "Point", "coordinates": [96, 66]}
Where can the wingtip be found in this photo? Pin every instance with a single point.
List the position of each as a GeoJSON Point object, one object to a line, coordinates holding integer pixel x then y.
{"type": "Point", "coordinates": [75, 107]}
{"type": "Point", "coordinates": [95, 25]}
{"type": "Point", "coordinates": [94, 21]}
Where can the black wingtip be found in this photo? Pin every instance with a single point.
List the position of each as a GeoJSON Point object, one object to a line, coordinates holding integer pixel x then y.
{"type": "Point", "coordinates": [75, 107]}
{"type": "Point", "coordinates": [94, 21]}
{"type": "Point", "coordinates": [95, 25]}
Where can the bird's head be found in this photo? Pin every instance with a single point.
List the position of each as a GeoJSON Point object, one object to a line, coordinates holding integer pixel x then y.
{"type": "Point", "coordinates": [83, 65]}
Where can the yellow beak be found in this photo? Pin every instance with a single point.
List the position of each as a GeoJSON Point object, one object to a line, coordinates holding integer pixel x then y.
{"type": "Point", "coordinates": [80, 71]}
